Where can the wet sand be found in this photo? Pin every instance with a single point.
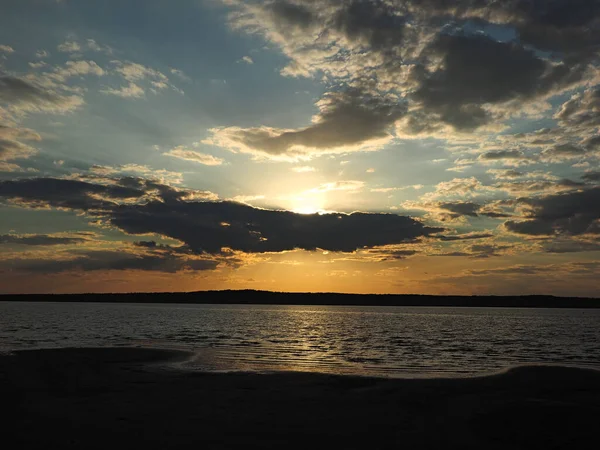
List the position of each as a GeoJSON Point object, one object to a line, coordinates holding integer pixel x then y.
{"type": "Point", "coordinates": [128, 398]}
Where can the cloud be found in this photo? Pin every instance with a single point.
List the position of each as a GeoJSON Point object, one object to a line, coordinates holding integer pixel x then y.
{"type": "Point", "coordinates": [11, 150]}
{"type": "Point", "coordinates": [40, 239]}
{"type": "Point", "coordinates": [132, 90]}
{"type": "Point", "coordinates": [137, 206]}
{"type": "Point", "coordinates": [563, 152]}
{"type": "Point", "coordinates": [24, 96]}
{"type": "Point", "coordinates": [461, 67]}
{"type": "Point", "coordinates": [386, 190]}
{"type": "Point", "coordinates": [475, 70]}
{"type": "Point", "coordinates": [6, 49]}
{"type": "Point", "coordinates": [458, 187]}
{"type": "Point", "coordinates": [303, 169]}
{"type": "Point", "coordinates": [67, 194]}
{"type": "Point", "coordinates": [69, 47]}
{"type": "Point", "coordinates": [460, 208]}
{"type": "Point", "coordinates": [181, 152]}
{"type": "Point", "coordinates": [572, 246]}
{"type": "Point", "coordinates": [92, 45]}
{"type": "Point", "coordinates": [511, 174]}
{"type": "Point", "coordinates": [247, 60]}
{"type": "Point", "coordinates": [181, 74]}
{"type": "Point", "coordinates": [76, 69]}
{"type": "Point", "coordinates": [73, 46]}
{"type": "Point", "coordinates": [347, 121]}
{"type": "Point", "coordinates": [535, 186]}
{"type": "Point", "coordinates": [503, 155]}
{"type": "Point", "coordinates": [95, 260]}
{"type": "Point", "coordinates": [591, 176]}
{"type": "Point", "coordinates": [247, 199]}
{"type": "Point", "coordinates": [135, 72]}
{"type": "Point", "coordinates": [570, 213]}
{"type": "Point", "coordinates": [464, 237]}
{"type": "Point", "coordinates": [162, 175]}
{"type": "Point", "coordinates": [347, 185]}
{"type": "Point", "coordinates": [513, 270]}
{"type": "Point", "coordinates": [138, 78]}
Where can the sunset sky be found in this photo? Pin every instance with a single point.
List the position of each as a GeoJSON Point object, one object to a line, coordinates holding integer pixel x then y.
{"type": "Point", "coordinates": [428, 147]}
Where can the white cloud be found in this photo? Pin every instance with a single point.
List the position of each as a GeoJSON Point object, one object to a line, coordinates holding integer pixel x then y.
{"type": "Point", "coordinates": [303, 169]}
{"type": "Point", "coordinates": [69, 47]}
{"type": "Point", "coordinates": [247, 198]}
{"type": "Point", "coordinates": [92, 45]}
{"type": "Point", "coordinates": [186, 154]}
{"type": "Point", "coordinates": [76, 69]}
{"type": "Point", "coordinates": [162, 175]}
{"type": "Point", "coordinates": [132, 90]}
{"type": "Point", "coordinates": [180, 74]}
{"type": "Point", "coordinates": [349, 185]}
{"type": "Point", "coordinates": [37, 65]}
{"type": "Point", "coordinates": [6, 49]}
{"type": "Point", "coordinates": [135, 72]}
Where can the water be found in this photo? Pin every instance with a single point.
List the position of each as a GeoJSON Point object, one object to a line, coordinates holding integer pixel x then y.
{"type": "Point", "coordinates": [379, 341]}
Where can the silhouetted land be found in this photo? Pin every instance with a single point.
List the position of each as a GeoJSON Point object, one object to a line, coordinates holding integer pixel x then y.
{"type": "Point", "coordinates": [251, 297]}
{"type": "Point", "coordinates": [126, 398]}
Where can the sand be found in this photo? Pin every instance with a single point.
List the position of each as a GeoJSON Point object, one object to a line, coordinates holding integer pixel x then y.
{"type": "Point", "coordinates": [129, 398]}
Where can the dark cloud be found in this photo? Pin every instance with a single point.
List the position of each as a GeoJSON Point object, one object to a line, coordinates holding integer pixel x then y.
{"type": "Point", "coordinates": [291, 14]}
{"type": "Point", "coordinates": [464, 237]}
{"type": "Point", "coordinates": [591, 176]}
{"type": "Point", "coordinates": [39, 239]}
{"type": "Point", "coordinates": [563, 152]}
{"type": "Point", "coordinates": [375, 25]}
{"type": "Point", "coordinates": [443, 57]}
{"type": "Point", "coordinates": [494, 214]}
{"type": "Point", "coordinates": [93, 260]}
{"type": "Point", "coordinates": [497, 155]}
{"type": "Point", "coordinates": [477, 251]}
{"type": "Point", "coordinates": [346, 119]}
{"type": "Point", "coordinates": [477, 70]}
{"type": "Point", "coordinates": [461, 208]}
{"type": "Point", "coordinates": [70, 194]}
{"type": "Point", "coordinates": [209, 227]}
{"type": "Point", "coordinates": [571, 213]}
{"type": "Point", "coordinates": [387, 254]}
{"type": "Point", "coordinates": [568, 27]}
{"type": "Point", "coordinates": [572, 246]}
{"type": "Point", "coordinates": [516, 270]}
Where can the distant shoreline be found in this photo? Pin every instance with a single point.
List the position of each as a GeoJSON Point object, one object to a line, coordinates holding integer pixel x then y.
{"type": "Point", "coordinates": [251, 297]}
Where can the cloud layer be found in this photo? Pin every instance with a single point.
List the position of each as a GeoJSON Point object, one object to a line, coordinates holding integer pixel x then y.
{"type": "Point", "coordinates": [140, 207]}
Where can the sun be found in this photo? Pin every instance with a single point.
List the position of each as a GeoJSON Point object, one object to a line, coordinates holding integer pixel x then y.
{"type": "Point", "coordinates": [307, 204]}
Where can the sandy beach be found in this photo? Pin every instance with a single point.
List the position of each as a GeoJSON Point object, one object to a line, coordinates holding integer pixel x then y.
{"type": "Point", "coordinates": [126, 397]}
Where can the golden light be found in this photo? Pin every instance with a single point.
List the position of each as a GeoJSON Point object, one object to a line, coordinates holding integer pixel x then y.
{"type": "Point", "coordinates": [308, 204]}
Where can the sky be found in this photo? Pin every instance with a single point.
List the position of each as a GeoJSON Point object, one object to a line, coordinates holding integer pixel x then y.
{"type": "Point", "coordinates": [399, 146]}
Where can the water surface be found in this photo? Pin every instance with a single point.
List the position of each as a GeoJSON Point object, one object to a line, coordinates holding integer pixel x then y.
{"type": "Point", "coordinates": [380, 341]}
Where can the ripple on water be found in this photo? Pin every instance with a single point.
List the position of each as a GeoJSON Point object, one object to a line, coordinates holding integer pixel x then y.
{"type": "Point", "coordinates": [347, 340]}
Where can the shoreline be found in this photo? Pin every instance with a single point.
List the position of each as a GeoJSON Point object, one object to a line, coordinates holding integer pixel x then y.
{"type": "Point", "coordinates": [251, 297]}
{"type": "Point", "coordinates": [94, 397]}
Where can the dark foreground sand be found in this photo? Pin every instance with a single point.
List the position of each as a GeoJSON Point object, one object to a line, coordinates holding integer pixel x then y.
{"type": "Point", "coordinates": [112, 398]}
